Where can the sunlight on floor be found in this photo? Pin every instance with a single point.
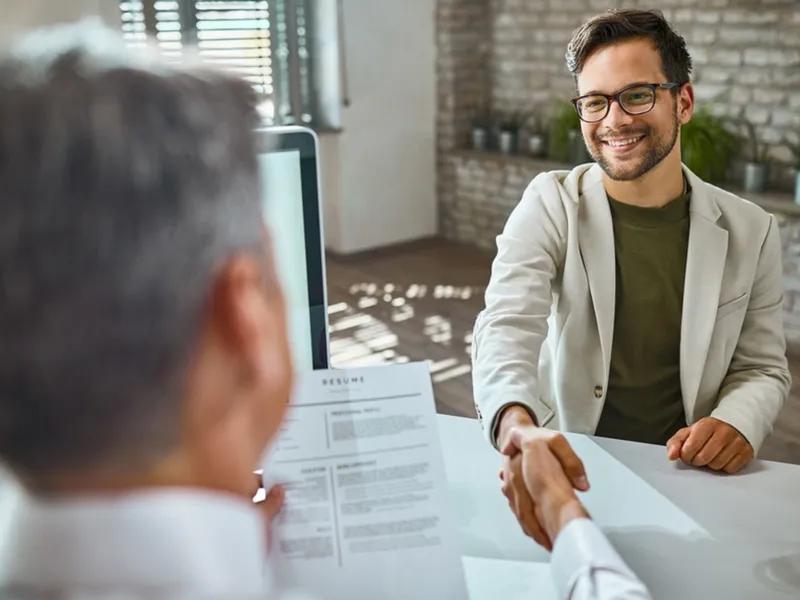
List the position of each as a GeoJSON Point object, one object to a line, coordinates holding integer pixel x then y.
{"type": "Point", "coordinates": [391, 290]}
{"type": "Point", "coordinates": [362, 334]}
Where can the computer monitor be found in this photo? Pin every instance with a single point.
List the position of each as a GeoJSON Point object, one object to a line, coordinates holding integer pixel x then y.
{"type": "Point", "coordinates": [288, 164]}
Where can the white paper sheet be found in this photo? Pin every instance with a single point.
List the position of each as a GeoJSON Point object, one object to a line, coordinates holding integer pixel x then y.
{"type": "Point", "coordinates": [493, 579]}
{"type": "Point", "coordinates": [366, 513]}
{"type": "Point", "coordinates": [618, 499]}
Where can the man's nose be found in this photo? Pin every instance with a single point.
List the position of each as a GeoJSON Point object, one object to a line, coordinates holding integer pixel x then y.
{"type": "Point", "coordinates": [616, 117]}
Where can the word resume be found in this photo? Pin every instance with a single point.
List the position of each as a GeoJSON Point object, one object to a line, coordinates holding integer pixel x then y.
{"type": "Point", "coordinates": [366, 514]}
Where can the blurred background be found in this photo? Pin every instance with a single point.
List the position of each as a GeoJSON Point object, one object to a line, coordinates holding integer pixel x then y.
{"type": "Point", "coordinates": [433, 115]}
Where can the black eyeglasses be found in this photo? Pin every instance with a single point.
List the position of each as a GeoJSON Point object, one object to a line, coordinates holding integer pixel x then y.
{"type": "Point", "coordinates": [634, 100]}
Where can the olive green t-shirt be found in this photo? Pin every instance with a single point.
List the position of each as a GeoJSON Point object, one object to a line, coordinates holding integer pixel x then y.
{"type": "Point", "coordinates": [643, 401]}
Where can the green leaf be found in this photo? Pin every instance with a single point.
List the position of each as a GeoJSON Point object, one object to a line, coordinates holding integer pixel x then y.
{"type": "Point", "coordinates": [707, 146]}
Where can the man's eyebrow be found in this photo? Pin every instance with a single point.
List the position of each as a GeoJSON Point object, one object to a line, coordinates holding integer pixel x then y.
{"type": "Point", "coordinates": [625, 87]}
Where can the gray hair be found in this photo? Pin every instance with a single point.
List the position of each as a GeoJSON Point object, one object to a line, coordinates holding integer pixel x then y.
{"type": "Point", "coordinates": [124, 184]}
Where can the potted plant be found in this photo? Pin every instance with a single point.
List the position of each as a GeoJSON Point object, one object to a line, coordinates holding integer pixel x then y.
{"type": "Point", "coordinates": [795, 148]}
{"type": "Point", "coordinates": [566, 140]}
{"type": "Point", "coordinates": [510, 126]}
{"type": "Point", "coordinates": [537, 140]}
{"type": "Point", "coordinates": [481, 129]}
{"type": "Point", "coordinates": [756, 169]}
{"type": "Point", "coordinates": [707, 145]}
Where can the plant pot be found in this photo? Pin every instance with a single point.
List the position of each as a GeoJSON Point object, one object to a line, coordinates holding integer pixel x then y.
{"type": "Point", "coordinates": [480, 138]}
{"type": "Point", "coordinates": [537, 145]}
{"type": "Point", "coordinates": [797, 186]}
{"type": "Point", "coordinates": [756, 176]}
{"type": "Point", "coordinates": [508, 142]}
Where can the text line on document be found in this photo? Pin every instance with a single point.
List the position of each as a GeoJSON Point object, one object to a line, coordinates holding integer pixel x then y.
{"type": "Point", "coordinates": [360, 401]}
{"type": "Point", "coordinates": [350, 454]}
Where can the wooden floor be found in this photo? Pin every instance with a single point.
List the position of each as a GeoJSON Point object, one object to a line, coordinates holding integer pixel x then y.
{"type": "Point", "coordinates": [420, 303]}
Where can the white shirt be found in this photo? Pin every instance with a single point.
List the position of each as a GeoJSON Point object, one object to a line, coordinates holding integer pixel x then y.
{"type": "Point", "coordinates": [159, 544]}
{"type": "Point", "coordinates": [176, 544]}
{"type": "Point", "coordinates": [586, 567]}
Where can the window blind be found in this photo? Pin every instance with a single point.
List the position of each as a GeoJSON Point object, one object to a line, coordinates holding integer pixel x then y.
{"type": "Point", "coordinates": [235, 35]}
{"type": "Point", "coordinates": [264, 41]}
{"type": "Point", "coordinates": [160, 19]}
{"type": "Point", "coordinates": [133, 26]}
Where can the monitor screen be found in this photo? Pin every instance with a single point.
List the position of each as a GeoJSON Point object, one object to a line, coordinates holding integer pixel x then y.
{"type": "Point", "coordinates": [291, 207]}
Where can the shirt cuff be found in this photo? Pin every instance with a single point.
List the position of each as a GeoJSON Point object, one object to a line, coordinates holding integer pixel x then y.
{"type": "Point", "coordinates": [579, 549]}
{"type": "Point", "coordinates": [499, 415]}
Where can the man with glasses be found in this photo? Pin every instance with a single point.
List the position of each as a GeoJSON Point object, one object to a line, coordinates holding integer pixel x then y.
{"type": "Point", "coordinates": [629, 298]}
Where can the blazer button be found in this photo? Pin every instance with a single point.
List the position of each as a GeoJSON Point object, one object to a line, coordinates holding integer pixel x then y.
{"type": "Point", "coordinates": [598, 391]}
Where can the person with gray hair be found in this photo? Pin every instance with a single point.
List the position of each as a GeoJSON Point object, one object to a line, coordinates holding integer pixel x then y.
{"type": "Point", "coordinates": [144, 357]}
{"type": "Point", "coordinates": [144, 360]}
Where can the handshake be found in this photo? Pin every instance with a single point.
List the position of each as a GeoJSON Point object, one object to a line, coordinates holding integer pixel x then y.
{"type": "Point", "coordinates": [541, 471]}
{"type": "Point", "coordinates": [540, 475]}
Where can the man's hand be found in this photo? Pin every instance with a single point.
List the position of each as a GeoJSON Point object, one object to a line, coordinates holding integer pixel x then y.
{"type": "Point", "coordinates": [550, 471]}
{"type": "Point", "coordinates": [520, 502]}
{"type": "Point", "coordinates": [513, 487]}
{"type": "Point", "coordinates": [710, 443]}
{"type": "Point", "coordinates": [519, 441]}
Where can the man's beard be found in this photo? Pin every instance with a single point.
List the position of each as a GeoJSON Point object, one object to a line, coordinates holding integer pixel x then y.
{"type": "Point", "coordinates": [656, 151]}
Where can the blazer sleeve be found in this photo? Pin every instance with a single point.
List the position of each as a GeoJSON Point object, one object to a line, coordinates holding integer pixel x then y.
{"type": "Point", "coordinates": [510, 330]}
{"type": "Point", "coordinates": [758, 379]}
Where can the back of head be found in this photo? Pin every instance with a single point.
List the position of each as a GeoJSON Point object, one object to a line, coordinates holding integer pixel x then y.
{"type": "Point", "coordinates": [124, 184]}
{"type": "Point", "coordinates": [627, 24]}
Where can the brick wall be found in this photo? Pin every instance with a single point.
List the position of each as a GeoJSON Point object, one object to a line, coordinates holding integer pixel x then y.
{"type": "Point", "coordinates": [484, 189]}
{"type": "Point", "coordinates": [463, 44]}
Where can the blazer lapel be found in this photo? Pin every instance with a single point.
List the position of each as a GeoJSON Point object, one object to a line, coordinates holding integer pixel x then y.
{"type": "Point", "coordinates": [596, 241]}
{"type": "Point", "coordinates": [705, 265]}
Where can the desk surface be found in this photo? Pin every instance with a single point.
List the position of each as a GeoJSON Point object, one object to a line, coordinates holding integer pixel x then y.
{"type": "Point", "coordinates": [688, 533]}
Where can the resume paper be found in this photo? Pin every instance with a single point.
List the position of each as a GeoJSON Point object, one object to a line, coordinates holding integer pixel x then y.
{"type": "Point", "coordinates": [367, 512]}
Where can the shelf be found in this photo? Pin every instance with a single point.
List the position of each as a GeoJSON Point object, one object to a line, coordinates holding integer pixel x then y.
{"type": "Point", "coordinates": [775, 202]}
{"type": "Point", "coordinates": [771, 201]}
{"type": "Point", "coordinates": [545, 164]}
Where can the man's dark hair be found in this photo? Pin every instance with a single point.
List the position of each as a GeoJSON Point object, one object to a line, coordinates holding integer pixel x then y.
{"type": "Point", "coordinates": [125, 183]}
{"type": "Point", "coordinates": [618, 25]}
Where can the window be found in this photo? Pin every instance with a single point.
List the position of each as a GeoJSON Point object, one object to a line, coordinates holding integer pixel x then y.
{"type": "Point", "coordinates": [265, 41]}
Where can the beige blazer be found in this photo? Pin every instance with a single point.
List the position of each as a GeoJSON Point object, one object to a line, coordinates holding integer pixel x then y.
{"type": "Point", "coordinates": [544, 337]}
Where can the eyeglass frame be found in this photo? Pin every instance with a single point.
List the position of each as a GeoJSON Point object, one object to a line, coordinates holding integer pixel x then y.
{"type": "Point", "coordinates": [611, 97]}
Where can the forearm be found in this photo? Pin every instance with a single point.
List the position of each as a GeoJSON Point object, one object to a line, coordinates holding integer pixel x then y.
{"type": "Point", "coordinates": [750, 401]}
{"type": "Point", "coordinates": [509, 332]}
{"type": "Point", "coordinates": [758, 379]}
{"type": "Point", "coordinates": [505, 363]}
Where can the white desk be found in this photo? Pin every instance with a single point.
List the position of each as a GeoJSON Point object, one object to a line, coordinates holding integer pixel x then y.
{"type": "Point", "coordinates": [688, 533]}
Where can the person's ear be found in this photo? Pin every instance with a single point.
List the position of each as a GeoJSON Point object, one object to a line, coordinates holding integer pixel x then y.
{"type": "Point", "coordinates": [685, 103]}
{"type": "Point", "coordinates": [242, 313]}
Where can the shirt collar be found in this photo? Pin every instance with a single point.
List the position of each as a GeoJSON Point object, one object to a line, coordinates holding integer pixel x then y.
{"type": "Point", "coordinates": [166, 539]}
